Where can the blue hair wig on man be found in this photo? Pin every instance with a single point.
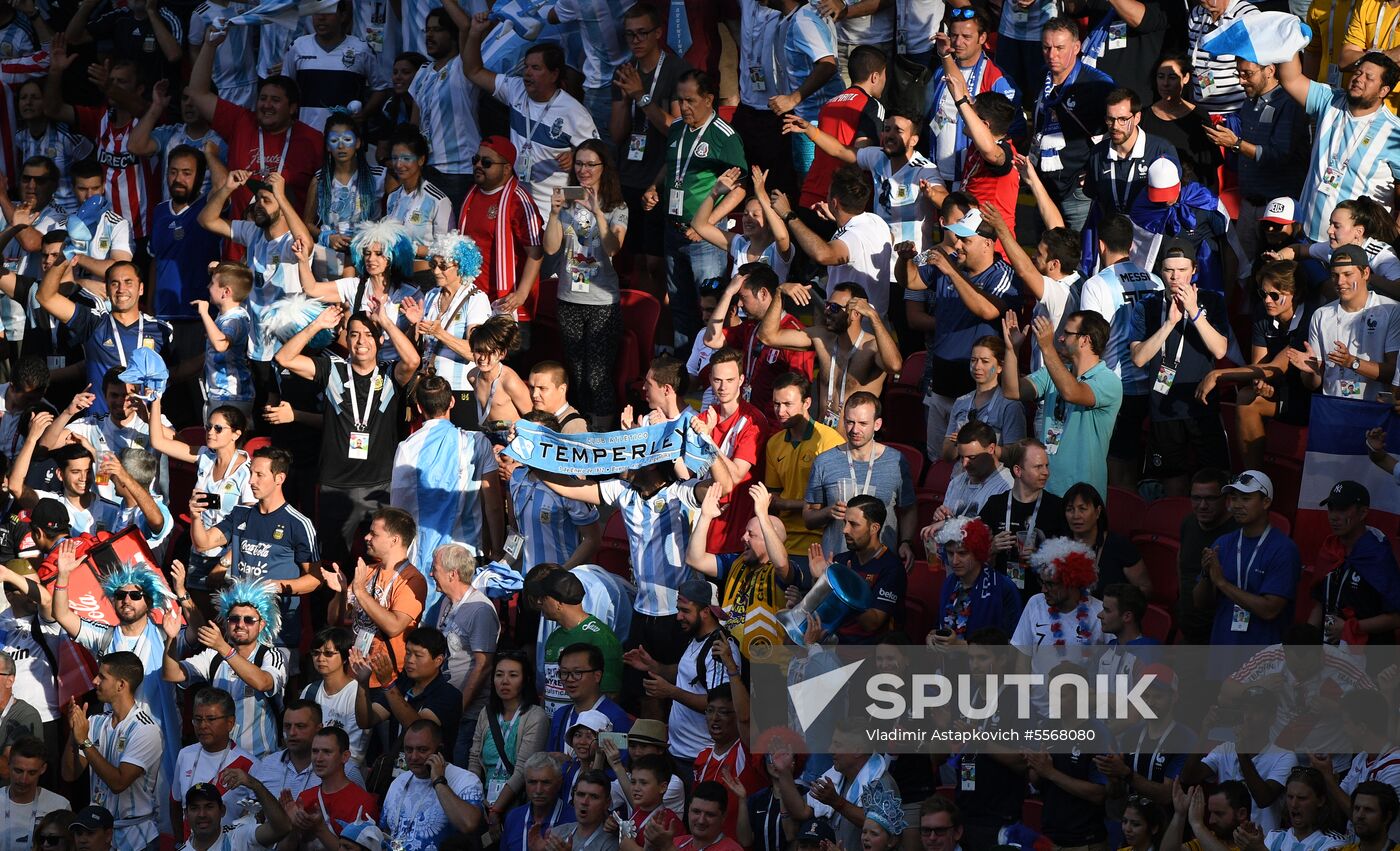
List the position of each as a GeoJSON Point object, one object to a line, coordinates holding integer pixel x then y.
{"type": "Point", "coordinates": [262, 597]}
{"type": "Point", "coordinates": [393, 240]}
{"type": "Point", "coordinates": [142, 576]}
{"type": "Point", "coordinates": [461, 250]}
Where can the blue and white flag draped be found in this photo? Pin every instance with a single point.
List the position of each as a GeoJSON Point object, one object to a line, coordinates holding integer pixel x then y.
{"type": "Point", "coordinates": [497, 580]}
{"type": "Point", "coordinates": [82, 224]}
{"type": "Point", "coordinates": [1264, 39]}
{"type": "Point", "coordinates": [282, 13]}
{"type": "Point", "coordinates": [608, 453]}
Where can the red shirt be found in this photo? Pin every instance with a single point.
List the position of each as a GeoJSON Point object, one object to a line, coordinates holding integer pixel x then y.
{"type": "Point", "coordinates": [662, 816]}
{"type": "Point", "coordinates": [305, 152]}
{"type": "Point", "coordinates": [126, 178]}
{"type": "Point", "coordinates": [724, 843]}
{"type": "Point", "coordinates": [848, 116]}
{"type": "Point", "coordinates": [1000, 187]}
{"type": "Point", "coordinates": [763, 365]}
{"type": "Point", "coordinates": [741, 765]}
{"type": "Point", "coordinates": [750, 429]}
{"type": "Point", "coordinates": [479, 220]}
{"type": "Point", "coordinates": [350, 804]}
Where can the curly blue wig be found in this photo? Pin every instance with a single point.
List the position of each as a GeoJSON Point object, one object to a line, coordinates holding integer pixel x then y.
{"type": "Point", "coordinates": [398, 247]}
{"type": "Point", "coordinates": [262, 597]}
{"type": "Point", "coordinates": [285, 319]}
{"type": "Point", "coordinates": [461, 250]}
{"type": "Point", "coordinates": [141, 575]}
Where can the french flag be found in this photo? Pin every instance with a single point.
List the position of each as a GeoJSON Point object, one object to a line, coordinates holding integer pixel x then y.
{"type": "Point", "coordinates": [1337, 451]}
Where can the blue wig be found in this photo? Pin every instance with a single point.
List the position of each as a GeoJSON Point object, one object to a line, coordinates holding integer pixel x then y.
{"type": "Point", "coordinates": [141, 575]}
{"type": "Point", "coordinates": [285, 319]}
{"type": "Point", "coordinates": [262, 596]}
{"type": "Point", "coordinates": [461, 250]}
{"type": "Point", "coordinates": [398, 247]}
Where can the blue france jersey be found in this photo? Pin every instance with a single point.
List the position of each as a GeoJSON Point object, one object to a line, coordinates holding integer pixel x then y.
{"type": "Point", "coordinates": [447, 112]}
{"type": "Point", "coordinates": [803, 38]}
{"type": "Point", "coordinates": [549, 522]}
{"type": "Point", "coordinates": [1352, 158]}
{"type": "Point", "coordinates": [227, 375]}
{"type": "Point", "coordinates": [275, 276]}
{"type": "Point", "coordinates": [256, 712]}
{"type": "Point", "coordinates": [658, 528]}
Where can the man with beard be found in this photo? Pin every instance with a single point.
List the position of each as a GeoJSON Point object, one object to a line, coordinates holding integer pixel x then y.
{"type": "Point", "coordinates": [213, 716]}
{"type": "Point", "coordinates": [1117, 168]}
{"type": "Point", "coordinates": [181, 251]}
{"type": "Point", "coordinates": [1213, 818]}
{"type": "Point", "coordinates": [500, 217]}
{"type": "Point", "coordinates": [151, 138]}
{"type": "Point", "coordinates": [881, 569]}
{"type": "Point", "coordinates": [291, 771]}
{"type": "Point", "coordinates": [1358, 138]}
{"type": "Point", "coordinates": [1374, 806]}
{"type": "Point", "coordinates": [849, 358]}
{"type": "Point", "coordinates": [268, 236]}
{"type": "Point", "coordinates": [210, 827]}
{"type": "Point", "coordinates": [788, 460]}
{"type": "Point", "coordinates": [432, 801]}
{"type": "Point", "coordinates": [108, 338]}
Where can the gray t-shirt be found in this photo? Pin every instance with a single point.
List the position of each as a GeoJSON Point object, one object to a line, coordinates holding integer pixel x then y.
{"type": "Point", "coordinates": [589, 276]}
{"type": "Point", "coordinates": [889, 481]}
{"type": "Point", "coordinates": [470, 626]}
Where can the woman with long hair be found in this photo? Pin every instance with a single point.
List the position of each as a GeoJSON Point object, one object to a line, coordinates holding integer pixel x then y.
{"type": "Point", "coordinates": [1118, 559]}
{"type": "Point", "coordinates": [345, 193]}
{"type": "Point", "coordinates": [1177, 120]}
{"type": "Point", "coordinates": [1356, 221]}
{"type": "Point", "coordinates": [381, 270]}
{"type": "Point", "coordinates": [51, 833]}
{"type": "Point", "coordinates": [985, 402]}
{"type": "Point", "coordinates": [1271, 390]}
{"type": "Point", "coordinates": [1143, 824]}
{"type": "Point", "coordinates": [511, 728]}
{"type": "Point", "coordinates": [1308, 816]}
{"type": "Point", "coordinates": [422, 208]}
{"type": "Point", "coordinates": [589, 231]}
{"type": "Point", "coordinates": [764, 235]}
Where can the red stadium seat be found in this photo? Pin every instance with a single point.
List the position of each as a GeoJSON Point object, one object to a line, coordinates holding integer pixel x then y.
{"type": "Point", "coordinates": [256, 443]}
{"type": "Point", "coordinates": [1303, 603]}
{"type": "Point", "coordinates": [1157, 623]}
{"type": "Point", "coordinates": [914, 457]}
{"type": "Point", "coordinates": [903, 415]}
{"type": "Point", "coordinates": [1031, 810]}
{"type": "Point", "coordinates": [1124, 507]}
{"type": "Point", "coordinates": [1163, 516]}
{"type": "Point", "coordinates": [1286, 474]}
{"type": "Point", "coordinates": [640, 313]}
{"type": "Point", "coordinates": [1159, 553]}
{"type": "Point", "coordinates": [921, 600]}
{"type": "Point", "coordinates": [1281, 523]}
{"type": "Point", "coordinates": [927, 505]}
{"type": "Point", "coordinates": [913, 370]}
{"type": "Point", "coordinates": [935, 482]}
{"type": "Point", "coordinates": [614, 554]}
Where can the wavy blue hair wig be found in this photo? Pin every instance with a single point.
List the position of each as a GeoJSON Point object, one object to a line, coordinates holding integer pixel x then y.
{"type": "Point", "coordinates": [138, 573]}
{"type": "Point", "coordinates": [398, 247]}
{"type": "Point", "coordinates": [459, 249]}
{"type": "Point", "coordinates": [285, 319]}
{"type": "Point", "coordinates": [261, 596]}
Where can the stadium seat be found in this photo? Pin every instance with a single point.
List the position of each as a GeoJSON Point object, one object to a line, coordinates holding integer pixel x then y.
{"type": "Point", "coordinates": [256, 443]}
{"type": "Point", "coordinates": [1124, 507]}
{"type": "Point", "coordinates": [1281, 523]}
{"type": "Point", "coordinates": [1159, 553]}
{"type": "Point", "coordinates": [913, 370]}
{"type": "Point", "coordinates": [902, 415]}
{"type": "Point", "coordinates": [1303, 603]}
{"type": "Point", "coordinates": [1031, 810]}
{"type": "Point", "coordinates": [1157, 623]}
{"type": "Point", "coordinates": [640, 313]}
{"type": "Point", "coordinates": [1286, 474]}
{"type": "Point", "coordinates": [921, 600]}
{"type": "Point", "coordinates": [614, 554]}
{"type": "Point", "coordinates": [913, 456]}
{"type": "Point", "coordinates": [935, 482]}
{"type": "Point", "coordinates": [1163, 516]}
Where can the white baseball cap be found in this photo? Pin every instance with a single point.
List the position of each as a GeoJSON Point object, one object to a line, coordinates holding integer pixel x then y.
{"type": "Point", "coordinates": [1281, 211]}
{"type": "Point", "coordinates": [1163, 181]}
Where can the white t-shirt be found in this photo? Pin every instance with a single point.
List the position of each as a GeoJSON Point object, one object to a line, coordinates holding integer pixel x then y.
{"type": "Point", "coordinates": [414, 816]}
{"type": "Point", "coordinates": [689, 733]}
{"type": "Point", "coordinates": [196, 765]}
{"type": "Point", "coordinates": [540, 132]}
{"type": "Point", "coordinates": [136, 740]}
{"type": "Point", "coordinates": [17, 821]}
{"type": "Point", "coordinates": [867, 240]}
{"type": "Point", "coordinates": [1036, 631]}
{"type": "Point", "coordinates": [338, 710]}
{"type": "Point", "coordinates": [240, 836]}
{"type": "Point", "coordinates": [34, 679]}
{"type": "Point", "coordinates": [1272, 763]}
{"type": "Point", "coordinates": [1368, 333]}
{"type": "Point", "coordinates": [1053, 301]}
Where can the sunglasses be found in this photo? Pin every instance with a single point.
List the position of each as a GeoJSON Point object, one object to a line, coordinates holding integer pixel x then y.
{"type": "Point", "coordinates": [962, 14]}
{"type": "Point", "coordinates": [832, 308]}
{"type": "Point", "coordinates": [325, 654]}
{"type": "Point", "coordinates": [50, 839]}
{"type": "Point", "coordinates": [119, 596]}
{"type": "Point", "coordinates": [218, 428]}
{"type": "Point", "coordinates": [341, 140]}
{"type": "Point", "coordinates": [440, 264]}
{"type": "Point", "coordinates": [1272, 295]}
{"type": "Point", "coordinates": [486, 163]}
{"type": "Point", "coordinates": [247, 620]}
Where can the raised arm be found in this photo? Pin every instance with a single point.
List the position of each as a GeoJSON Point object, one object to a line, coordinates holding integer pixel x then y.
{"type": "Point", "coordinates": [142, 143]}
{"type": "Point", "coordinates": [829, 144]}
{"type": "Point", "coordinates": [211, 218]}
{"type": "Point", "coordinates": [697, 556]}
{"type": "Point", "coordinates": [708, 231]}
{"type": "Point", "coordinates": [290, 356]}
{"type": "Point", "coordinates": [1294, 81]}
{"type": "Point", "coordinates": [1014, 386]}
{"type": "Point", "coordinates": [832, 253]}
{"type": "Point", "coordinates": [472, 65]}
{"type": "Point", "coordinates": [771, 331]}
{"type": "Point", "coordinates": [60, 60]}
{"type": "Point", "coordinates": [781, 238]}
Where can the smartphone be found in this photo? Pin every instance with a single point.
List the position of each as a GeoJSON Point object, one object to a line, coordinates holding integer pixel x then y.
{"type": "Point", "coordinates": [619, 739]}
{"type": "Point", "coordinates": [1385, 397]}
{"type": "Point", "coordinates": [210, 500]}
{"type": "Point", "coordinates": [575, 193]}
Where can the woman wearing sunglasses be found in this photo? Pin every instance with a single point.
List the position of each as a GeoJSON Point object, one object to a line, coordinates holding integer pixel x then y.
{"type": "Point", "coordinates": [52, 834]}
{"type": "Point", "coordinates": [1270, 389]}
{"type": "Point", "coordinates": [345, 193]}
{"type": "Point", "coordinates": [222, 471]}
{"type": "Point", "coordinates": [418, 205]}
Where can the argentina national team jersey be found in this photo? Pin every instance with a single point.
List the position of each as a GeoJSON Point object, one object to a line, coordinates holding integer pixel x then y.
{"type": "Point", "coordinates": [758, 76]}
{"type": "Point", "coordinates": [541, 132]}
{"type": "Point", "coordinates": [108, 343]}
{"type": "Point", "coordinates": [256, 712]}
{"type": "Point", "coordinates": [426, 213]}
{"type": "Point", "coordinates": [658, 529]}
{"type": "Point", "coordinates": [135, 740]}
{"type": "Point", "coordinates": [469, 308]}
{"type": "Point", "coordinates": [805, 36]}
{"type": "Point", "coordinates": [899, 199]}
{"type": "Point", "coordinates": [600, 23]}
{"type": "Point", "coordinates": [113, 233]}
{"type": "Point", "coordinates": [437, 478]}
{"type": "Point", "coordinates": [235, 77]}
{"type": "Point", "coordinates": [549, 522]}
{"type": "Point", "coordinates": [64, 147]}
{"type": "Point", "coordinates": [275, 276]}
{"type": "Point", "coordinates": [447, 114]}
{"type": "Point", "coordinates": [1353, 157]}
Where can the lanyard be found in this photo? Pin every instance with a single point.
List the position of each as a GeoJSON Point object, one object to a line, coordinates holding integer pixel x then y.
{"type": "Point", "coordinates": [683, 167]}
{"type": "Point", "coordinates": [638, 113]}
{"type": "Point", "coordinates": [1121, 202]}
{"type": "Point", "coordinates": [1035, 512]}
{"type": "Point", "coordinates": [869, 471]}
{"type": "Point", "coordinates": [544, 829]}
{"type": "Point", "coordinates": [532, 123]}
{"type": "Point", "coordinates": [374, 378]}
{"type": "Point", "coordinates": [1181, 341]}
{"type": "Point", "coordinates": [1334, 601]}
{"type": "Point", "coordinates": [1376, 32]}
{"type": "Point", "coordinates": [1156, 751]}
{"type": "Point", "coordinates": [199, 757]}
{"type": "Point", "coordinates": [845, 371]}
{"type": "Point", "coordinates": [117, 337]}
{"type": "Point", "coordinates": [1356, 137]}
{"type": "Point", "coordinates": [10, 822]}
{"type": "Point", "coordinates": [262, 155]}
{"type": "Point", "coordinates": [1241, 574]}
{"type": "Point", "coordinates": [483, 410]}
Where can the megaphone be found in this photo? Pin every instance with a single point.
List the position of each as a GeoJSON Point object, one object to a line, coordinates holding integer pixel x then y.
{"type": "Point", "coordinates": [838, 595]}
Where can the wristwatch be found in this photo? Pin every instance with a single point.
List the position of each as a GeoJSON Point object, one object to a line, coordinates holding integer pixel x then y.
{"type": "Point", "coordinates": [791, 214]}
{"type": "Point", "coordinates": [1355, 364]}
{"type": "Point", "coordinates": [85, 744]}
{"type": "Point", "coordinates": [645, 101]}
{"type": "Point", "coordinates": [963, 100]}
{"type": "Point", "coordinates": [441, 781]}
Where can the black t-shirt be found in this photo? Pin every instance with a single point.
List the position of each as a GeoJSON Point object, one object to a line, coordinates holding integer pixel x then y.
{"type": "Point", "coordinates": [638, 174]}
{"type": "Point", "coordinates": [1195, 623]}
{"type": "Point", "coordinates": [1049, 518]}
{"type": "Point", "coordinates": [1067, 819]}
{"type": "Point", "coordinates": [1116, 555]}
{"type": "Point", "coordinates": [136, 40]}
{"type": "Point", "coordinates": [440, 697]}
{"type": "Point", "coordinates": [1275, 336]}
{"type": "Point", "coordinates": [1344, 588]}
{"type": "Point", "coordinates": [1188, 135]}
{"type": "Point", "coordinates": [1130, 63]}
{"type": "Point", "coordinates": [1194, 362]}
{"type": "Point", "coordinates": [989, 794]}
{"type": "Point", "coordinates": [380, 401]}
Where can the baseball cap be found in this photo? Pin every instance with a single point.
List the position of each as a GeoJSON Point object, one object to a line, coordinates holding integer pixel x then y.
{"type": "Point", "coordinates": [593, 720]}
{"type": "Point", "coordinates": [49, 517]}
{"type": "Point", "coordinates": [648, 731]}
{"type": "Point", "coordinates": [502, 146]}
{"type": "Point", "coordinates": [1165, 676]}
{"type": "Point", "coordinates": [1281, 211]}
{"type": "Point", "coordinates": [702, 593]}
{"type": "Point", "coordinates": [92, 818]}
{"type": "Point", "coordinates": [816, 830]}
{"type": "Point", "coordinates": [365, 834]}
{"type": "Point", "coordinates": [1345, 494]}
{"type": "Point", "coordinates": [1163, 181]}
{"type": "Point", "coordinates": [1349, 255]}
{"type": "Point", "coordinates": [1177, 247]}
{"type": "Point", "coordinates": [968, 225]}
{"type": "Point", "coordinates": [563, 586]}
{"type": "Point", "coordinates": [1252, 481]}
{"type": "Point", "coordinates": [203, 792]}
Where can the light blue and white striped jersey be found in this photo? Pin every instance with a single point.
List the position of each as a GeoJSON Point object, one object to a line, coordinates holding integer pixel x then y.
{"type": "Point", "coordinates": [227, 376]}
{"type": "Point", "coordinates": [606, 596]}
{"type": "Point", "coordinates": [112, 233]}
{"type": "Point", "coordinates": [137, 739]}
{"type": "Point", "coordinates": [548, 521]}
{"type": "Point", "coordinates": [898, 199]}
{"type": "Point", "coordinates": [540, 132]}
{"type": "Point", "coordinates": [447, 115]}
{"type": "Point", "coordinates": [600, 23]}
{"type": "Point", "coordinates": [1352, 157]}
{"type": "Point", "coordinates": [415, 18]}
{"type": "Point", "coordinates": [273, 42]}
{"type": "Point", "coordinates": [1026, 24]}
{"type": "Point", "coordinates": [758, 75]}
{"type": "Point", "coordinates": [425, 213]}
{"type": "Point", "coordinates": [377, 25]}
{"type": "Point", "coordinates": [101, 515]}
{"type": "Point", "coordinates": [130, 515]}
{"type": "Point", "coordinates": [64, 147]}
{"type": "Point", "coordinates": [168, 137]}
{"type": "Point", "coordinates": [804, 37]}
{"type": "Point", "coordinates": [235, 78]}
{"type": "Point", "coordinates": [233, 489]}
{"type": "Point", "coordinates": [1112, 293]}
{"type": "Point", "coordinates": [257, 712]}
{"type": "Point", "coordinates": [875, 30]}
{"type": "Point", "coordinates": [17, 38]}
{"type": "Point", "coordinates": [275, 276]}
{"type": "Point", "coordinates": [917, 21]}
{"type": "Point", "coordinates": [346, 206]}
{"type": "Point", "coordinates": [658, 529]}
{"type": "Point", "coordinates": [475, 310]}
{"type": "Point", "coordinates": [154, 695]}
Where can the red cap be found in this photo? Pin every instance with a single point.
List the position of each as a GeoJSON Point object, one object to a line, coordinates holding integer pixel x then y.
{"type": "Point", "coordinates": [502, 146]}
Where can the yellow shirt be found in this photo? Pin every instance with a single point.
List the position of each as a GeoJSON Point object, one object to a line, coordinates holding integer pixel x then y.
{"type": "Point", "coordinates": [1375, 25]}
{"type": "Point", "coordinates": [1195, 845]}
{"type": "Point", "coordinates": [1330, 20]}
{"type": "Point", "coordinates": [789, 466]}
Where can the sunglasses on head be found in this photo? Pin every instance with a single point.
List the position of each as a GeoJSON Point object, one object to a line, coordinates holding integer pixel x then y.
{"type": "Point", "coordinates": [137, 594]}
{"type": "Point", "coordinates": [966, 14]}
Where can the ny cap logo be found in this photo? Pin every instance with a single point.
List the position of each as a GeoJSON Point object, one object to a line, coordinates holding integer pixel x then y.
{"type": "Point", "coordinates": [810, 698]}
